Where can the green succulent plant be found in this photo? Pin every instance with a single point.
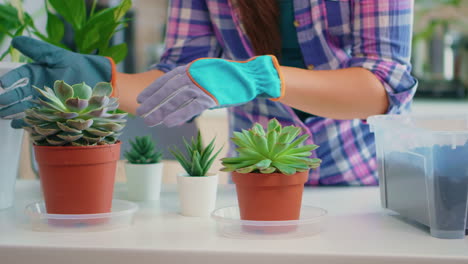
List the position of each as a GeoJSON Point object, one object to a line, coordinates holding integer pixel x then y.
{"type": "Point", "coordinates": [198, 159]}
{"type": "Point", "coordinates": [143, 151]}
{"type": "Point", "coordinates": [75, 115]}
{"type": "Point", "coordinates": [275, 150]}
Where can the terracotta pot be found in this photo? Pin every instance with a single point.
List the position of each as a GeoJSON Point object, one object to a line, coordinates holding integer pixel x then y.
{"type": "Point", "coordinates": [78, 180]}
{"type": "Point", "coordinates": [269, 197]}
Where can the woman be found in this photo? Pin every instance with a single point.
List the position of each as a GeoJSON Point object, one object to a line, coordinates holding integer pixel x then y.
{"type": "Point", "coordinates": [320, 64]}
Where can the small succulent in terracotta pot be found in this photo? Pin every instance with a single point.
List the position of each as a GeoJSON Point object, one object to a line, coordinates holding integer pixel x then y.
{"type": "Point", "coordinates": [75, 130]}
{"type": "Point", "coordinates": [270, 171]}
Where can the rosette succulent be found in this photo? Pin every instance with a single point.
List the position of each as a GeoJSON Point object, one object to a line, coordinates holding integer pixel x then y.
{"type": "Point", "coordinates": [143, 151]}
{"type": "Point", "coordinates": [75, 115]}
{"type": "Point", "coordinates": [275, 150]}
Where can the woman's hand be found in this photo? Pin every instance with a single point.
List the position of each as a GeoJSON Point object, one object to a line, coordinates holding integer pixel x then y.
{"type": "Point", "coordinates": [187, 91]}
{"type": "Point", "coordinates": [51, 63]}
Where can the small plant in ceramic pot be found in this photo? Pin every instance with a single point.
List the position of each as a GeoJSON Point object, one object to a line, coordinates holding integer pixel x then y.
{"type": "Point", "coordinates": [197, 186]}
{"type": "Point", "coordinates": [270, 171]}
{"type": "Point", "coordinates": [75, 129]}
{"type": "Point", "coordinates": [144, 170]}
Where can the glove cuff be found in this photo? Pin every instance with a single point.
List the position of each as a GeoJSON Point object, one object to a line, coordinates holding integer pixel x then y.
{"type": "Point", "coordinates": [267, 73]}
{"type": "Point", "coordinates": [113, 80]}
{"type": "Point", "coordinates": [281, 79]}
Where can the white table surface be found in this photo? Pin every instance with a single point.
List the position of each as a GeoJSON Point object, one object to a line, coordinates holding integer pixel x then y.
{"type": "Point", "coordinates": [357, 231]}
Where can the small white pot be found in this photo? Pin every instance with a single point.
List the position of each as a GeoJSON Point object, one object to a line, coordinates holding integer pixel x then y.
{"type": "Point", "coordinates": [10, 142]}
{"type": "Point", "coordinates": [197, 195]}
{"type": "Point", "coordinates": [144, 181]}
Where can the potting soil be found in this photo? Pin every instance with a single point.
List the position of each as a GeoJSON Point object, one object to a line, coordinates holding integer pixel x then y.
{"type": "Point", "coordinates": [450, 184]}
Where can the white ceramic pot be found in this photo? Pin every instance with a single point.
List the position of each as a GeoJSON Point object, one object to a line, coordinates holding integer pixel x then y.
{"type": "Point", "coordinates": [10, 142]}
{"type": "Point", "coordinates": [197, 195]}
{"type": "Point", "coordinates": [144, 181]}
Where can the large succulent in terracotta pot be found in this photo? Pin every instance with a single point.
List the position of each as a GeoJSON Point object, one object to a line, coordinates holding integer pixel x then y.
{"type": "Point", "coordinates": [270, 171]}
{"type": "Point", "coordinates": [75, 115]}
{"type": "Point", "coordinates": [75, 130]}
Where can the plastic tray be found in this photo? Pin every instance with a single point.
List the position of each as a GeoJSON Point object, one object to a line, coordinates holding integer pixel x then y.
{"type": "Point", "coordinates": [121, 216]}
{"type": "Point", "coordinates": [230, 225]}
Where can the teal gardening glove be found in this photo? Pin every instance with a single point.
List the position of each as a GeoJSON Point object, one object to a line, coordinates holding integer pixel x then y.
{"type": "Point", "coordinates": [51, 63]}
{"type": "Point", "coordinates": [187, 91]}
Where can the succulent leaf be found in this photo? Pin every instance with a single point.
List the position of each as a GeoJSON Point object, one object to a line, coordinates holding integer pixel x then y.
{"type": "Point", "coordinates": [103, 89]}
{"type": "Point", "coordinates": [69, 137]}
{"type": "Point", "coordinates": [67, 115]}
{"type": "Point", "coordinates": [113, 104]}
{"type": "Point", "coordinates": [67, 128]}
{"type": "Point", "coordinates": [81, 142]}
{"type": "Point", "coordinates": [98, 132]}
{"type": "Point", "coordinates": [63, 90]}
{"type": "Point", "coordinates": [96, 102]}
{"type": "Point", "coordinates": [115, 116]}
{"type": "Point", "coordinates": [55, 141]}
{"type": "Point", "coordinates": [37, 137]}
{"type": "Point", "coordinates": [49, 98]}
{"type": "Point", "coordinates": [51, 105]}
{"type": "Point", "coordinates": [82, 91]}
{"type": "Point", "coordinates": [41, 116]}
{"type": "Point", "coordinates": [47, 130]}
{"type": "Point", "coordinates": [98, 112]}
{"type": "Point", "coordinates": [32, 121]}
{"type": "Point", "coordinates": [114, 127]}
{"type": "Point", "coordinates": [76, 104]}
{"type": "Point", "coordinates": [80, 124]}
{"type": "Point", "coordinates": [267, 170]}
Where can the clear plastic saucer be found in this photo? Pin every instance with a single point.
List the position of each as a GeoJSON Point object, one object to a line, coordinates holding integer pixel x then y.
{"type": "Point", "coordinates": [229, 224]}
{"type": "Point", "coordinates": [121, 215]}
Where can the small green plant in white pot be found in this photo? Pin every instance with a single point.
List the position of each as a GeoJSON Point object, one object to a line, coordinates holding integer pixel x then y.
{"type": "Point", "coordinates": [144, 170]}
{"type": "Point", "coordinates": [197, 186]}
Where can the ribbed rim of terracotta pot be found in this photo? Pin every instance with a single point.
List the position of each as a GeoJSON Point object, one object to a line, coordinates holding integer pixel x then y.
{"type": "Point", "coordinates": [77, 147]}
{"type": "Point", "coordinates": [272, 179]}
{"type": "Point", "coordinates": [60, 155]}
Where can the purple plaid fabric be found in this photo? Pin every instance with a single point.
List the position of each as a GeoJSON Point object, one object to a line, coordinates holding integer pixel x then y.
{"type": "Point", "coordinates": [373, 34]}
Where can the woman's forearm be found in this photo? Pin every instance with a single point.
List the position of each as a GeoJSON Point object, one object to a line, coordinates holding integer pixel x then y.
{"type": "Point", "coordinates": [339, 94]}
{"type": "Point", "coordinates": [130, 85]}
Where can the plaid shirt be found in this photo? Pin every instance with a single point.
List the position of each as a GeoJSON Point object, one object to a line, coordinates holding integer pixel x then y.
{"type": "Point", "coordinates": [333, 34]}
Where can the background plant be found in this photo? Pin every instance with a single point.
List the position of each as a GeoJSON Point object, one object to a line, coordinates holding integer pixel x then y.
{"type": "Point", "coordinates": [275, 150]}
{"type": "Point", "coordinates": [143, 151]}
{"type": "Point", "coordinates": [93, 30]}
{"type": "Point", "coordinates": [75, 115]}
{"type": "Point", "coordinates": [198, 159]}
{"type": "Point", "coordinates": [431, 15]}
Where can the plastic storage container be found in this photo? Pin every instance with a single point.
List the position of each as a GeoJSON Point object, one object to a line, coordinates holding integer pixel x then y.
{"type": "Point", "coordinates": [229, 224]}
{"type": "Point", "coordinates": [423, 169]}
{"type": "Point", "coordinates": [122, 215]}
